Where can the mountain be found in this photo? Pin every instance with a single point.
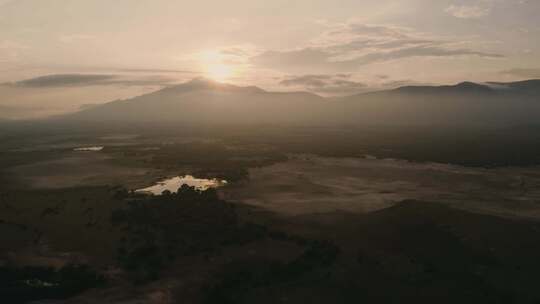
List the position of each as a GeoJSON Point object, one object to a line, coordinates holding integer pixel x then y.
{"type": "Point", "coordinates": [202, 101]}
{"type": "Point", "coordinates": [467, 103]}
{"type": "Point", "coordinates": [526, 87]}
{"type": "Point", "coordinates": [460, 88]}
{"type": "Point", "coordinates": [207, 102]}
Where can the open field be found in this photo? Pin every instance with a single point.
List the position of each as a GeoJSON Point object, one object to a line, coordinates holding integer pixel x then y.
{"type": "Point", "coordinates": [308, 184]}
{"type": "Point", "coordinates": [289, 226]}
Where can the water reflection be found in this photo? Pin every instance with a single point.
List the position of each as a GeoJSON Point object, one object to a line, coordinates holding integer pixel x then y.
{"type": "Point", "coordinates": [86, 149]}
{"type": "Point", "coordinates": [172, 184]}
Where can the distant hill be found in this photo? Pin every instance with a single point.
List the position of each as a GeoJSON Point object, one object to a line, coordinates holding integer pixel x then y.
{"type": "Point", "coordinates": [531, 87]}
{"type": "Point", "coordinates": [203, 101]}
{"type": "Point", "coordinates": [207, 102]}
{"type": "Point", "coordinates": [461, 88]}
{"type": "Point", "coordinates": [467, 103]}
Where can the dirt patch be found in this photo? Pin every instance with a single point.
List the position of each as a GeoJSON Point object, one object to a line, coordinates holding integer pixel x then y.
{"type": "Point", "coordinates": [309, 184]}
{"type": "Point", "coordinates": [75, 169]}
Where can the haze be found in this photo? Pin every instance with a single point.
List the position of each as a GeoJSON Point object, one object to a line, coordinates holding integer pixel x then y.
{"type": "Point", "coordinates": [325, 47]}
{"type": "Point", "coordinates": [269, 151]}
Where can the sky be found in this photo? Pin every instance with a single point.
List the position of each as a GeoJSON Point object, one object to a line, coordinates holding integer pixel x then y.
{"type": "Point", "coordinates": [329, 47]}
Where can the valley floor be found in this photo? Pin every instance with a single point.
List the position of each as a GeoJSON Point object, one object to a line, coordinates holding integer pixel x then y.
{"type": "Point", "coordinates": [289, 227]}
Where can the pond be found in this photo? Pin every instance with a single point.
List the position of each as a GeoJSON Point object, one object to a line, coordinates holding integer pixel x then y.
{"type": "Point", "coordinates": [89, 149]}
{"type": "Point", "coordinates": [173, 184]}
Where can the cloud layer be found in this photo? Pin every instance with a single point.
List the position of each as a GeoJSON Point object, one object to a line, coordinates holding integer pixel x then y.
{"type": "Point", "coordinates": [467, 11]}
{"type": "Point", "coordinates": [338, 84]}
{"type": "Point", "coordinates": [79, 80]}
{"type": "Point", "coordinates": [346, 47]}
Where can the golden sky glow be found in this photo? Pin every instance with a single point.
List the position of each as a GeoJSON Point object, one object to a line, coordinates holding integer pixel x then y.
{"type": "Point", "coordinates": [214, 66]}
{"type": "Point", "coordinates": [328, 47]}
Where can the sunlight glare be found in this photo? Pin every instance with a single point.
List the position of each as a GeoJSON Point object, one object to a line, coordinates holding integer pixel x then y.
{"type": "Point", "coordinates": [214, 66]}
{"type": "Point", "coordinates": [219, 72]}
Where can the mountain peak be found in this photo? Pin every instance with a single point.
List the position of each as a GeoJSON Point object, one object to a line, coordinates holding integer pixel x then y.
{"type": "Point", "coordinates": [462, 87]}
{"type": "Point", "coordinates": [468, 85]}
{"type": "Point", "coordinates": [201, 83]}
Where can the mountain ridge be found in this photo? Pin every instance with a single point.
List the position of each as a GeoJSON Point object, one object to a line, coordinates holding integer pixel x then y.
{"type": "Point", "coordinates": [203, 101]}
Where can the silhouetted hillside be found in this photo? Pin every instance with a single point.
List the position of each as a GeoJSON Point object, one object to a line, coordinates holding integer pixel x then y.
{"type": "Point", "coordinates": [204, 102]}
{"type": "Point", "coordinates": [463, 104]}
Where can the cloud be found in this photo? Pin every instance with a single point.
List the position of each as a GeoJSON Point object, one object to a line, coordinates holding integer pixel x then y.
{"type": "Point", "coordinates": [467, 11]}
{"type": "Point", "coordinates": [393, 84]}
{"type": "Point", "coordinates": [350, 45]}
{"type": "Point", "coordinates": [525, 73]}
{"type": "Point", "coordinates": [344, 84]}
{"type": "Point", "coordinates": [63, 80]}
{"type": "Point", "coordinates": [305, 57]}
{"type": "Point", "coordinates": [80, 80]}
{"type": "Point", "coordinates": [158, 71]}
{"type": "Point", "coordinates": [418, 51]}
{"type": "Point", "coordinates": [338, 84]}
{"type": "Point", "coordinates": [237, 55]}
{"type": "Point", "coordinates": [315, 81]}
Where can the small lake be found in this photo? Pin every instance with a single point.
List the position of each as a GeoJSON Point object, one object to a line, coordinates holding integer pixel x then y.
{"type": "Point", "coordinates": [89, 149]}
{"type": "Point", "coordinates": [173, 184]}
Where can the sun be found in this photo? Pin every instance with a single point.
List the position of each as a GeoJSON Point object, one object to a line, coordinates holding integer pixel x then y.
{"type": "Point", "coordinates": [214, 66]}
{"type": "Point", "coordinates": [219, 72]}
